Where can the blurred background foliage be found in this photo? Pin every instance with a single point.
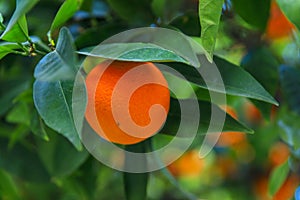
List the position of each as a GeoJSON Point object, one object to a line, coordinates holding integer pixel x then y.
{"type": "Point", "coordinates": [257, 35]}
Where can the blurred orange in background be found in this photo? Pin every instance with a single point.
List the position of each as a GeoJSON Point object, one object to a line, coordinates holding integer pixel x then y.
{"type": "Point", "coordinates": [230, 138]}
{"type": "Point", "coordinates": [189, 164]}
{"type": "Point", "coordinates": [278, 25]}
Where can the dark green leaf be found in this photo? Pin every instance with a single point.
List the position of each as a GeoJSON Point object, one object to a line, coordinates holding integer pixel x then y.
{"type": "Point", "coordinates": [59, 64]}
{"type": "Point", "coordinates": [11, 90]}
{"type": "Point", "coordinates": [65, 12]}
{"type": "Point", "coordinates": [135, 184]}
{"type": "Point", "coordinates": [59, 156]}
{"type": "Point", "coordinates": [209, 14]}
{"type": "Point", "coordinates": [290, 9]}
{"type": "Point", "coordinates": [139, 52]}
{"type": "Point", "coordinates": [237, 82]}
{"type": "Point", "coordinates": [254, 12]}
{"type": "Point", "coordinates": [134, 11]}
{"type": "Point", "coordinates": [96, 35]}
{"type": "Point", "coordinates": [22, 162]}
{"type": "Point", "coordinates": [277, 178]}
{"type": "Point", "coordinates": [23, 6]}
{"type": "Point", "coordinates": [53, 101]}
{"type": "Point", "coordinates": [188, 23]}
{"type": "Point", "coordinates": [8, 186]}
{"type": "Point", "coordinates": [205, 108]}
{"type": "Point", "coordinates": [290, 83]}
{"type": "Point", "coordinates": [166, 10]}
{"type": "Point", "coordinates": [263, 66]}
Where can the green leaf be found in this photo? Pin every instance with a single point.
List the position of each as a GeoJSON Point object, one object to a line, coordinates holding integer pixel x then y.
{"type": "Point", "coordinates": [138, 52]}
{"type": "Point", "coordinates": [7, 47]}
{"type": "Point", "coordinates": [134, 11]}
{"type": "Point", "coordinates": [174, 119]}
{"type": "Point", "coordinates": [59, 156]}
{"type": "Point", "coordinates": [135, 184]}
{"type": "Point", "coordinates": [18, 33]}
{"type": "Point", "coordinates": [237, 82]}
{"type": "Point", "coordinates": [254, 12]}
{"type": "Point", "coordinates": [290, 83]}
{"type": "Point", "coordinates": [209, 14]}
{"type": "Point", "coordinates": [8, 187]}
{"type": "Point", "coordinates": [277, 177]}
{"type": "Point", "coordinates": [148, 44]}
{"type": "Point", "coordinates": [22, 162]}
{"type": "Point", "coordinates": [291, 10]}
{"type": "Point", "coordinates": [18, 19]}
{"type": "Point", "coordinates": [59, 64]}
{"type": "Point", "coordinates": [263, 66]}
{"type": "Point", "coordinates": [65, 12]}
{"type": "Point", "coordinates": [53, 101]}
{"type": "Point", "coordinates": [166, 10]}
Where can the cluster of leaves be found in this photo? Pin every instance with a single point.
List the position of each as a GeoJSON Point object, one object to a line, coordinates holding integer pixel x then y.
{"type": "Point", "coordinates": [37, 126]}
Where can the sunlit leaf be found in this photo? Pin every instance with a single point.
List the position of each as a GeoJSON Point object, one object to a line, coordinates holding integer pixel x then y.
{"type": "Point", "coordinates": [277, 178]}
{"type": "Point", "coordinates": [65, 12]}
{"type": "Point", "coordinates": [22, 7]}
{"type": "Point", "coordinates": [209, 14]}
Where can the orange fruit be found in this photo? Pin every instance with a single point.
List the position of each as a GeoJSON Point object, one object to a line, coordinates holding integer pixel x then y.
{"type": "Point", "coordinates": [288, 188]}
{"type": "Point", "coordinates": [128, 102]}
{"type": "Point", "coordinates": [278, 25]}
{"type": "Point", "coordinates": [252, 114]}
{"type": "Point", "coordinates": [279, 153]}
{"type": "Point", "coordinates": [230, 138]}
{"type": "Point", "coordinates": [189, 164]}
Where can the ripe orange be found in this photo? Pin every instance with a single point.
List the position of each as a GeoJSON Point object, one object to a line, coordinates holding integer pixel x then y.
{"type": "Point", "coordinates": [189, 164]}
{"type": "Point", "coordinates": [127, 101]}
{"type": "Point", "coordinates": [278, 25]}
{"type": "Point", "coordinates": [230, 138]}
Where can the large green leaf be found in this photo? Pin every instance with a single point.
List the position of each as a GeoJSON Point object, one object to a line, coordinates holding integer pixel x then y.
{"type": "Point", "coordinates": [209, 14]}
{"type": "Point", "coordinates": [254, 12]}
{"type": "Point", "coordinates": [65, 12]}
{"type": "Point", "coordinates": [263, 66]}
{"type": "Point", "coordinates": [134, 11]}
{"type": "Point", "coordinates": [59, 156]}
{"type": "Point", "coordinates": [53, 102]}
{"type": "Point", "coordinates": [8, 187]}
{"type": "Point", "coordinates": [290, 83]}
{"type": "Point", "coordinates": [237, 82]}
{"type": "Point", "coordinates": [291, 10]}
{"type": "Point", "coordinates": [135, 184]}
{"type": "Point", "coordinates": [17, 26]}
{"type": "Point", "coordinates": [138, 52]}
{"type": "Point", "coordinates": [205, 108]}
{"type": "Point", "coordinates": [52, 90]}
{"type": "Point", "coordinates": [59, 64]}
{"type": "Point", "coordinates": [278, 176]}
